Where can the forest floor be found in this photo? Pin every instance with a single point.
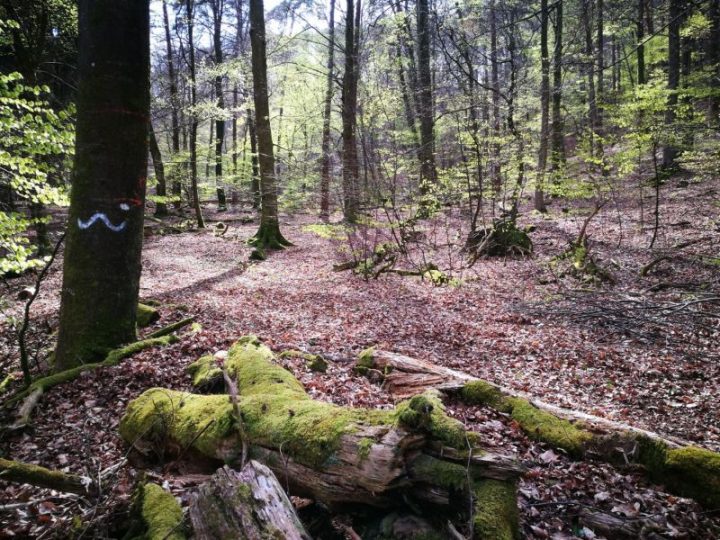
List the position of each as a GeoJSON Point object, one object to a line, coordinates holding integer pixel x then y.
{"type": "Point", "coordinates": [642, 349]}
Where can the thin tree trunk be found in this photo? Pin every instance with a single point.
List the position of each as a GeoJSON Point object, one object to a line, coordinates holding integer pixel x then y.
{"type": "Point", "coordinates": [268, 235]}
{"type": "Point", "coordinates": [600, 61]}
{"type": "Point", "coordinates": [218, 7]}
{"type": "Point", "coordinates": [713, 54]}
{"type": "Point", "coordinates": [428, 174]}
{"type": "Point", "coordinates": [101, 272]}
{"type": "Point", "coordinates": [326, 154]}
{"type": "Point", "coordinates": [495, 171]}
{"type": "Point", "coordinates": [189, 6]}
{"type": "Point", "coordinates": [255, 180]}
{"type": "Point", "coordinates": [349, 119]}
{"type": "Point", "coordinates": [174, 104]}
{"type": "Point", "coordinates": [558, 138]}
{"type": "Point", "coordinates": [670, 151]}
{"type": "Point", "coordinates": [160, 190]}
{"type": "Point", "coordinates": [544, 107]}
{"type": "Point", "coordinates": [640, 39]}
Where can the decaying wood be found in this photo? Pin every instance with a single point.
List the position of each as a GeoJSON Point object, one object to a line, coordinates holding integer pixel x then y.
{"type": "Point", "coordinates": [247, 504]}
{"type": "Point", "coordinates": [27, 473]}
{"type": "Point", "coordinates": [25, 411]}
{"type": "Point", "coordinates": [406, 376]}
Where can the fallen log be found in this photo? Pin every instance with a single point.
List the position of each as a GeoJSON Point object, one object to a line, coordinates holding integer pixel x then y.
{"type": "Point", "coordinates": [247, 504]}
{"type": "Point", "coordinates": [35, 475]}
{"type": "Point", "coordinates": [335, 455]}
{"type": "Point", "coordinates": [682, 468]}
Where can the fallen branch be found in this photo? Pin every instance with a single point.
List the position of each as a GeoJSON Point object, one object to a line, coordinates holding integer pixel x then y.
{"type": "Point", "coordinates": [170, 328]}
{"type": "Point", "coordinates": [35, 475]}
{"type": "Point", "coordinates": [683, 468]}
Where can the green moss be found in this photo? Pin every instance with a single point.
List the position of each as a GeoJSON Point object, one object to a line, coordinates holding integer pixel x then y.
{"type": "Point", "coordinates": [326, 230]}
{"type": "Point", "coordinates": [546, 427]}
{"type": "Point", "coordinates": [652, 455]}
{"type": "Point", "coordinates": [205, 372]}
{"type": "Point", "coordinates": [436, 277]}
{"type": "Point", "coordinates": [483, 393]}
{"type": "Point", "coordinates": [496, 513]}
{"type": "Point", "coordinates": [162, 514]}
{"type": "Point", "coordinates": [694, 472]}
{"type": "Point", "coordinates": [426, 412]}
{"type": "Point", "coordinates": [314, 361]}
{"type": "Point", "coordinates": [452, 476]}
{"type": "Point", "coordinates": [146, 315]}
{"type": "Point", "coordinates": [365, 361]}
{"type": "Point", "coordinates": [364, 448]}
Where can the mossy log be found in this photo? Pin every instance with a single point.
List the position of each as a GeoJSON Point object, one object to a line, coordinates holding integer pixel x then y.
{"type": "Point", "coordinates": [682, 468]}
{"type": "Point", "coordinates": [246, 504]}
{"type": "Point", "coordinates": [161, 514]}
{"type": "Point", "coordinates": [35, 475]}
{"type": "Point", "coordinates": [336, 455]}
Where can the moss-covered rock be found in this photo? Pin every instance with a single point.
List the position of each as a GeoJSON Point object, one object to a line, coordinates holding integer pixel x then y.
{"type": "Point", "coordinates": [162, 514]}
{"type": "Point", "coordinates": [146, 315]}
{"type": "Point", "coordinates": [496, 512]}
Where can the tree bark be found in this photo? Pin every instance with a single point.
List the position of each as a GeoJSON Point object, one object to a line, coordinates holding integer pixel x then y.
{"type": "Point", "coordinates": [544, 108]}
{"type": "Point", "coordinates": [640, 34]}
{"type": "Point", "coordinates": [247, 504]}
{"type": "Point", "coordinates": [494, 74]}
{"type": "Point", "coordinates": [217, 7]}
{"type": "Point", "coordinates": [428, 174]}
{"type": "Point", "coordinates": [255, 180]}
{"type": "Point", "coordinates": [174, 104]}
{"type": "Point", "coordinates": [160, 190]}
{"type": "Point", "coordinates": [327, 111]}
{"type": "Point", "coordinates": [557, 155]}
{"type": "Point", "coordinates": [670, 150]}
{"type": "Point", "coordinates": [349, 117]}
{"type": "Point", "coordinates": [190, 12]}
{"type": "Point", "coordinates": [268, 235]}
{"type": "Point", "coordinates": [105, 230]}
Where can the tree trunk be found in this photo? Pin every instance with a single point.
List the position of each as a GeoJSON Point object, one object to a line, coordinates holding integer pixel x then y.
{"type": "Point", "coordinates": [217, 7]}
{"type": "Point", "coordinates": [670, 151]}
{"type": "Point", "coordinates": [640, 34]}
{"type": "Point", "coordinates": [160, 190]}
{"type": "Point", "coordinates": [255, 180]}
{"type": "Point", "coordinates": [428, 174]}
{"type": "Point", "coordinates": [268, 235]}
{"type": "Point", "coordinates": [174, 104]}
{"type": "Point", "coordinates": [713, 54]}
{"type": "Point", "coordinates": [326, 154]}
{"type": "Point", "coordinates": [495, 159]}
{"type": "Point", "coordinates": [557, 155]}
{"type": "Point", "coordinates": [336, 455]}
{"type": "Point", "coordinates": [105, 230]}
{"type": "Point", "coordinates": [247, 504]}
{"type": "Point", "coordinates": [189, 7]}
{"type": "Point", "coordinates": [600, 61]}
{"type": "Point", "coordinates": [544, 108]}
{"type": "Point", "coordinates": [590, 75]}
{"type": "Point", "coordinates": [349, 118]}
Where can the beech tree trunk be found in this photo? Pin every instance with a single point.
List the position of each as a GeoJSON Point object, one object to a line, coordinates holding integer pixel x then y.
{"type": "Point", "coordinates": [102, 263]}
{"type": "Point", "coordinates": [557, 155]}
{"type": "Point", "coordinates": [190, 8]}
{"type": "Point", "coordinates": [428, 174]}
{"type": "Point", "coordinates": [161, 189]}
{"type": "Point", "coordinates": [349, 117]}
{"type": "Point", "coordinates": [218, 7]}
{"type": "Point", "coordinates": [326, 154]}
{"type": "Point", "coordinates": [544, 108]}
{"type": "Point", "coordinates": [640, 33]}
{"type": "Point", "coordinates": [670, 151]}
{"type": "Point", "coordinates": [255, 180]}
{"type": "Point", "coordinates": [494, 74]}
{"type": "Point", "coordinates": [268, 235]}
{"type": "Point", "coordinates": [174, 104]}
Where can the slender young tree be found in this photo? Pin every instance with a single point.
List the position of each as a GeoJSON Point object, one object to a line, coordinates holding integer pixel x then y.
{"type": "Point", "coordinates": [102, 263]}
{"type": "Point", "coordinates": [255, 180]}
{"type": "Point", "coordinates": [640, 34]}
{"type": "Point", "coordinates": [557, 155]}
{"type": "Point", "coordinates": [190, 12]}
{"type": "Point", "coordinates": [428, 174]}
{"type": "Point", "coordinates": [349, 116]}
{"type": "Point", "coordinates": [495, 78]}
{"type": "Point", "coordinates": [268, 235]}
{"type": "Point", "coordinates": [329, 86]}
{"type": "Point", "coordinates": [670, 151]}
{"type": "Point", "coordinates": [174, 103]}
{"type": "Point", "coordinates": [218, 8]}
{"type": "Point", "coordinates": [159, 166]}
{"type": "Point", "coordinates": [539, 201]}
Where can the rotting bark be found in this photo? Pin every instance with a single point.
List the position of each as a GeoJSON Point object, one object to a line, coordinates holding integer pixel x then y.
{"type": "Point", "coordinates": [336, 455]}
{"type": "Point", "coordinates": [246, 504]}
{"type": "Point", "coordinates": [682, 468]}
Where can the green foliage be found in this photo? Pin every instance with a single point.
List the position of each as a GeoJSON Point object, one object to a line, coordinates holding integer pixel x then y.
{"type": "Point", "coordinates": [34, 160]}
